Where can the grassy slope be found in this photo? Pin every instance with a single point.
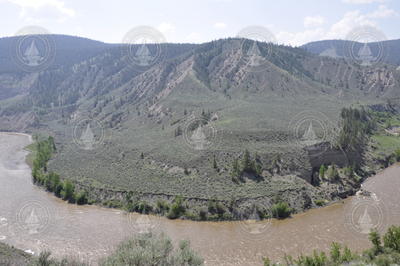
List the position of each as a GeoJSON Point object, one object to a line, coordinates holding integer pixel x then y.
{"type": "Point", "coordinates": [10, 256]}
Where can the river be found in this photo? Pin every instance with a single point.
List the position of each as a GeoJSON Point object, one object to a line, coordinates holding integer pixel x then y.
{"type": "Point", "coordinates": [34, 220]}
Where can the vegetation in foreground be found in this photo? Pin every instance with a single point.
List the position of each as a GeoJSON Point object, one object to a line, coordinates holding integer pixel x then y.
{"type": "Point", "coordinates": [157, 249]}
{"type": "Point", "coordinates": [144, 249]}
{"type": "Point", "coordinates": [12, 256]}
{"type": "Point", "coordinates": [385, 251]}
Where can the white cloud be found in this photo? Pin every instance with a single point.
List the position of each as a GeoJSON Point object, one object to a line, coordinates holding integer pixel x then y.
{"type": "Point", "coordinates": [315, 21]}
{"type": "Point", "coordinates": [350, 20]}
{"type": "Point", "coordinates": [35, 5]}
{"type": "Point", "coordinates": [338, 30]}
{"type": "Point", "coordinates": [298, 38]}
{"type": "Point", "coordinates": [362, 1]}
{"type": "Point", "coordinates": [382, 12]}
{"type": "Point", "coordinates": [220, 25]}
{"type": "Point", "coordinates": [355, 19]}
{"type": "Point", "coordinates": [166, 27]}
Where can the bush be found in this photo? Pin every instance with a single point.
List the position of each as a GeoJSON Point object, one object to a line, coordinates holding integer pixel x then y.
{"type": "Point", "coordinates": [113, 204]}
{"type": "Point", "coordinates": [67, 192]}
{"type": "Point", "coordinates": [215, 207]}
{"type": "Point", "coordinates": [397, 155]}
{"type": "Point", "coordinates": [392, 238]}
{"type": "Point", "coordinates": [177, 209]}
{"type": "Point", "coordinates": [281, 210]}
{"type": "Point", "coordinates": [162, 207]}
{"type": "Point", "coordinates": [151, 249]}
{"type": "Point", "coordinates": [332, 173]}
{"type": "Point", "coordinates": [322, 171]}
{"type": "Point", "coordinates": [320, 202]}
{"type": "Point", "coordinates": [82, 198]}
{"type": "Point", "coordinates": [348, 171]}
{"type": "Point", "coordinates": [144, 249]}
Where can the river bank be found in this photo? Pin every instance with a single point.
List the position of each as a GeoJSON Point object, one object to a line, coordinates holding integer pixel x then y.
{"type": "Point", "coordinates": [91, 231]}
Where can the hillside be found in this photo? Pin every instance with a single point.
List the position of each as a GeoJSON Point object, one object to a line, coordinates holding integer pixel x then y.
{"type": "Point", "coordinates": [175, 128]}
{"type": "Point", "coordinates": [386, 51]}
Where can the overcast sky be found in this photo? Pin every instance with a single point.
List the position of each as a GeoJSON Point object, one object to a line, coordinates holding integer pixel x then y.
{"type": "Point", "coordinates": [292, 22]}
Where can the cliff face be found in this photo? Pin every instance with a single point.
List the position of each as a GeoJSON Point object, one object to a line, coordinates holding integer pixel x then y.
{"type": "Point", "coordinates": [324, 153]}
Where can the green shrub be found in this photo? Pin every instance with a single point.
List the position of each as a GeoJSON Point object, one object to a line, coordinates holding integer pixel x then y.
{"type": "Point", "coordinates": [67, 192]}
{"type": "Point", "coordinates": [349, 171]}
{"type": "Point", "coordinates": [143, 249]}
{"type": "Point", "coordinates": [162, 207]}
{"type": "Point", "coordinates": [322, 170]}
{"type": "Point", "coordinates": [392, 238]}
{"type": "Point", "coordinates": [320, 202]}
{"type": "Point", "coordinates": [281, 210]}
{"type": "Point", "coordinates": [332, 173]}
{"type": "Point", "coordinates": [143, 207]}
{"type": "Point", "coordinates": [151, 249]}
{"type": "Point", "coordinates": [177, 208]}
{"type": "Point", "coordinates": [215, 207]}
{"type": "Point", "coordinates": [397, 155]}
{"type": "Point", "coordinates": [82, 198]}
{"type": "Point", "coordinates": [113, 203]}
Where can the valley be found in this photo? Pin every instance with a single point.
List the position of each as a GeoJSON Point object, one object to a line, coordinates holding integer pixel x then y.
{"type": "Point", "coordinates": [146, 137]}
{"type": "Point", "coordinates": [244, 148]}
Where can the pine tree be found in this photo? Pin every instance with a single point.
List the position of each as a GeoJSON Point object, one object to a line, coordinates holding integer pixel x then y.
{"type": "Point", "coordinates": [235, 168]}
{"type": "Point", "coordinates": [322, 171]}
{"type": "Point", "coordinates": [246, 164]}
{"type": "Point", "coordinates": [215, 163]}
{"type": "Point", "coordinates": [258, 165]}
{"type": "Point", "coordinates": [258, 169]}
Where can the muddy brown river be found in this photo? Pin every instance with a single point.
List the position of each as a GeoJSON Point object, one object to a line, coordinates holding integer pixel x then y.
{"type": "Point", "coordinates": [33, 220]}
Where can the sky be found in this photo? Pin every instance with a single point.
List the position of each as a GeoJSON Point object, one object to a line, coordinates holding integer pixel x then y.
{"type": "Point", "coordinates": [291, 22]}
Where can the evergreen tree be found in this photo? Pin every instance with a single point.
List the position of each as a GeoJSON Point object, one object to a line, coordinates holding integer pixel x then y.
{"type": "Point", "coordinates": [215, 166]}
{"type": "Point", "coordinates": [322, 170]}
{"type": "Point", "coordinates": [246, 163]}
{"type": "Point", "coordinates": [235, 168]}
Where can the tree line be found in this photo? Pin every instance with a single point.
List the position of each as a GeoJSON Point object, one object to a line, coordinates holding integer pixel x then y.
{"type": "Point", "coordinates": [44, 149]}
